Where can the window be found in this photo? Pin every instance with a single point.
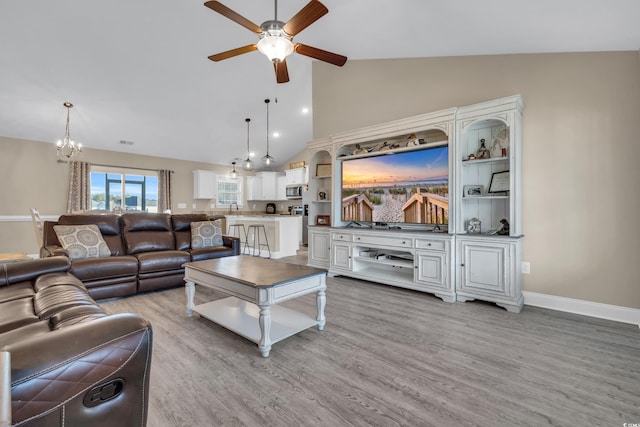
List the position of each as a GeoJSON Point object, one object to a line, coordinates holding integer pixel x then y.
{"type": "Point", "coordinates": [229, 191]}
{"type": "Point", "coordinates": [109, 186]}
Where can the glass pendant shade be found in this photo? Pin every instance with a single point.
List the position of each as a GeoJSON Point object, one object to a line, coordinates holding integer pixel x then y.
{"type": "Point", "coordinates": [233, 173]}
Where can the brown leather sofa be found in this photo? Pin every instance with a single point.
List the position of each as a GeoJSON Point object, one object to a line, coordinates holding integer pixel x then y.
{"type": "Point", "coordinates": [72, 364]}
{"type": "Point", "coordinates": [147, 251]}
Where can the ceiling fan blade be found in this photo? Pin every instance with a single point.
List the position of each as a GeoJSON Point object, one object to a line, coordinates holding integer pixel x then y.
{"type": "Point", "coordinates": [309, 14]}
{"type": "Point", "coordinates": [282, 73]}
{"type": "Point", "coordinates": [233, 52]}
{"type": "Point", "coordinates": [322, 55]}
{"type": "Point", "coordinates": [223, 10]}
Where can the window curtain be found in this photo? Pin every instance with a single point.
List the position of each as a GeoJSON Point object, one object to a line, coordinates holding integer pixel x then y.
{"type": "Point", "coordinates": [164, 190]}
{"type": "Point", "coordinates": [79, 187]}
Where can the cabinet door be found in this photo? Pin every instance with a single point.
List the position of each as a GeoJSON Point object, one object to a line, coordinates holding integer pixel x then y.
{"type": "Point", "coordinates": [254, 188]}
{"type": "Point", "coordinates": [484, 268]}
{"type": "Point", "coordinates": [319, 248]}
{"type": "Point", "coordinates": [281, 188]}
{"type": "Point", "coordinates": [431, 268]}
{"type": "Point", "coordinates": [341, 256]}
{"type": "Point", "coordinates": [269, 185]}
{"type": "Point", "coordinates": [204, 184]}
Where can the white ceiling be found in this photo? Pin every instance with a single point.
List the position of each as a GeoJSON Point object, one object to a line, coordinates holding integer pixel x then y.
{"type": "Point", "coordinates": [138, 70]}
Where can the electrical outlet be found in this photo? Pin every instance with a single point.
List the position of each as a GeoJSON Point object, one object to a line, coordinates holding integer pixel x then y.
{"type": "Point", "coordinates": [193, 206]}
{"type": "Point", "coordinates": [182, 206]}
{"type": "Point", "coordinates": [526, 267]}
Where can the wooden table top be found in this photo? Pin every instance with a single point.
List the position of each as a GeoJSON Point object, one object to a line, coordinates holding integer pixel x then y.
{"type": "Point", "coordinates": [254, 271]}
{"type": "Point", "coordinates": [14, 256]}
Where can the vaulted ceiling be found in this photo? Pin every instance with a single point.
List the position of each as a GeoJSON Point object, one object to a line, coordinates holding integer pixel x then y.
{"type": "Point", "coordinates": [138, 71]}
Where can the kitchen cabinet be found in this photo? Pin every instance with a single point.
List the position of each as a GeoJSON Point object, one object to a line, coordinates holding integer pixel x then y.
{"type": "Point", "coordinates": [297, 176]}
{"type": "Point", "coordinates": [204, 184]}
{"type": "Point", "coordinates": [264, 186]}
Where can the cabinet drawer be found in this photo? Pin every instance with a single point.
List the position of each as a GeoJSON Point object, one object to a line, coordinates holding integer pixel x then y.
{"type": "Point", "coordinates": [381, 240]}
{"type": "Point", "coordinates": [434, 245]}
{"type": "Point", "coordinates": [344, 237]}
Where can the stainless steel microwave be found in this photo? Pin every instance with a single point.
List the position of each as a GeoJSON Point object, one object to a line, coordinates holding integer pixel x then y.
{"type": "Point", "coordinates": [294, 192]}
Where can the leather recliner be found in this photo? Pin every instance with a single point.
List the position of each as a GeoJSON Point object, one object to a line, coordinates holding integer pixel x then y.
{"type": "Point", "coordinates": [72, 364]}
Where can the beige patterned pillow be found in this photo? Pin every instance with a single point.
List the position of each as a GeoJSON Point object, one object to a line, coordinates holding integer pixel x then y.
{"type": "Point", "coordinates": [82, 241]}
{"type": "Point", "coordinates": [206, 234]}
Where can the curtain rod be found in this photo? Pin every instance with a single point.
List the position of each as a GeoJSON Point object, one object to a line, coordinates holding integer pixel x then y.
{"type": "Point", "coordinates": [116, 166]}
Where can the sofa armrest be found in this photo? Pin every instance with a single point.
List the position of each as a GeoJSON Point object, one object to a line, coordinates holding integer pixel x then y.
{"type": "Point", "coordinates": [52, 250]}
{"type": "Point", "coordinates": [80, 369]}
{"type": "Point", "coordinates": [23, 271]}
{"type": "Point", "coordinates": [232, 242]}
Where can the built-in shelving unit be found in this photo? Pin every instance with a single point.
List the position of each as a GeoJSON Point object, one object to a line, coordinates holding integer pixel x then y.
{"type": "Point", "coordinates": [464, 263]}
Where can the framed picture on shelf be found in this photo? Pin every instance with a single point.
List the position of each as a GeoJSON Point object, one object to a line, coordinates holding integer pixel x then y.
{"type": "Point", "coordinates": [499, 182]}
{"type": "Point", "coordinates": [323, 219]}
{"type": "Point", "coordinates": [323, 169]}
{"type": "Point", "coordinates": [473, 190]}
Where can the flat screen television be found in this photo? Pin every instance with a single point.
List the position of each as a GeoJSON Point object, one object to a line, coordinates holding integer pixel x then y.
{"type": "Point", "coordinates": [408, 187]}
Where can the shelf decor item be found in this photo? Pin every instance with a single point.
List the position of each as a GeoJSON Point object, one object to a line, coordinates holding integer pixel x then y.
{"type": "Point", "coordinates": [296, 165]}
{"type": "Point", "coordinates": [472, 190]}
{"type": "Point", "coordinates": [323, 169]}
{"type": "Point", "coordinates": [323, 220]}
{"type": "Point", "coordinates": [499, 182]}
{"type": "Point", "coordinates": [474, 226]}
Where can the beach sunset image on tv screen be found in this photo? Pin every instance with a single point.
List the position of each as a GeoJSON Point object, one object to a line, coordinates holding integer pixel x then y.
{"type": "Point", "coordinates": [407, 187]}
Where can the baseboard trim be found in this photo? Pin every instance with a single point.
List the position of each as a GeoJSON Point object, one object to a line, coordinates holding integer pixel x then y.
{"type": "Point", "coordinates": [586, 308]}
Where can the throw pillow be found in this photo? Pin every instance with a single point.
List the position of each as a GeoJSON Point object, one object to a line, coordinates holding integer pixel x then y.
{"type": "Point", "coordinates": [82, 241]}
{"type": "Point", "coordinates": [206, 234]}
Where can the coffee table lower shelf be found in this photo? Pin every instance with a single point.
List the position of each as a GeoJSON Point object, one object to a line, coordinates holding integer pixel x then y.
{"type": "Point", "coordinates": [242, 317]}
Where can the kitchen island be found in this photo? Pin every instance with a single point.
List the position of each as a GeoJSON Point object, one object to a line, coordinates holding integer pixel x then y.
{"type": "Point", "coordinates": [284, 232]}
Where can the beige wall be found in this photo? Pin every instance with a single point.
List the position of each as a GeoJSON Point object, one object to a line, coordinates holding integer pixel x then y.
{"type": "Point", "coordinates": [32, 177]}
{"type": "Point", "coordinates": [581, 150]}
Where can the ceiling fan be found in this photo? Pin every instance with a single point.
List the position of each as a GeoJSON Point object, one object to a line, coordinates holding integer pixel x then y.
{"type": "Point", "coordinates": [276, 37]}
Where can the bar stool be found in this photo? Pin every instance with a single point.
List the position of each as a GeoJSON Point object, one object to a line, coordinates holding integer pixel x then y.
{"type": "Point", "coordinates": [238, 231]}
{"type": "Point", "coordinates": [257, 246]}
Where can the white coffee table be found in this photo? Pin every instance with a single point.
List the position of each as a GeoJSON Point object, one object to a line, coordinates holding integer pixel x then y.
{"type": "Point", "coordinates": [255, 285]}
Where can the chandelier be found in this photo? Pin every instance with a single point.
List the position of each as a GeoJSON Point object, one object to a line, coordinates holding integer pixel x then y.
{"type": "Point", "coordinates": [67, 146]}
{"type": "Point", "coordinates": [267, 159]}
{"type": "Point", "coordinates": [248, 164]}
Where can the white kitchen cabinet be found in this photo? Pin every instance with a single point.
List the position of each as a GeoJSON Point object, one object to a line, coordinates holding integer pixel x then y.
{"type": "Point", "coordinates": [263, 186]}
{"type": "Point", "coordinates": [204, 184]}
{"type": "Point", "coordinates": [281, 187]}
{"type": "Point", "coordinates": [297, 176]}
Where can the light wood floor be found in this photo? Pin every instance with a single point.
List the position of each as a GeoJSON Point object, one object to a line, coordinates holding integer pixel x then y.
{"type": "Point", "coordinates": [391, 357]}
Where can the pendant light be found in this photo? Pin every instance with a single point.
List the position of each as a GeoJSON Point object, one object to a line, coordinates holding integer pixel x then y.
{"type": "Point", "coordinates": [233, 173]}
{"type": "Point", "coordinates": [67, 146]}
{"type": "Point", "coordinates": [267, 159]}
{"type": "Point", "coordinates": [248, 164]}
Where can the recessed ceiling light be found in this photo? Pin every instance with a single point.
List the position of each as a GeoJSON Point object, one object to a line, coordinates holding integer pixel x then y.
{"type": "Point", "coordinates": [276, 134]}
{"type": "Point", "coordinates": [305, 110]}
{"type": "Point", "coordinates": [123, 142]}
{"type": "Point", "coordinates": [252, 154]}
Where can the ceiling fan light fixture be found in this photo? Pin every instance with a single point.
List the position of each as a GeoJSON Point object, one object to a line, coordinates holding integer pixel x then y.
{"type": "Point", "coordinates": [276, 47]}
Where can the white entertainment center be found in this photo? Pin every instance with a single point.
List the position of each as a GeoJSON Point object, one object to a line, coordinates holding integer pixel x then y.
{"type": "Point", "coordinates": [475, 253]}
